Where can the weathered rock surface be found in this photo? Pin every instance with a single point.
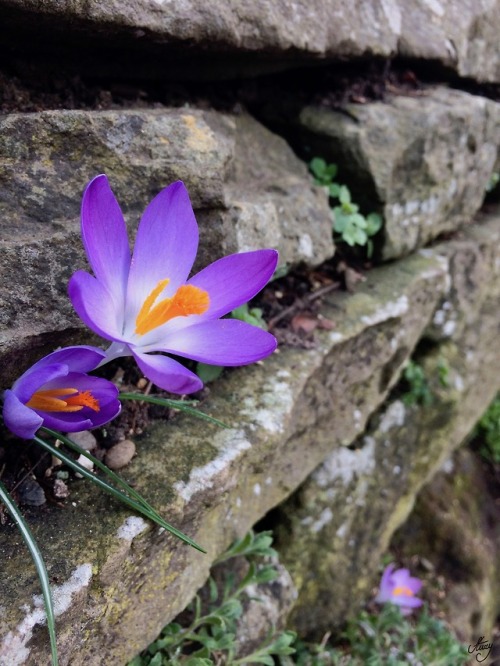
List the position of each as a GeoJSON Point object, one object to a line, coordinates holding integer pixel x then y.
{"type": "Point", "coordinates": [335, 528]}
{"type": "Point", "coordinates": [426, 160]}
{"type": "Point", "coordinates": [244, 199]}
{"type": "Point", "coordinates": [455, 525]}
{"type": "Point", "coordinates": [119, 580]}
{"type": "Point", "coordinates": [460, 35]}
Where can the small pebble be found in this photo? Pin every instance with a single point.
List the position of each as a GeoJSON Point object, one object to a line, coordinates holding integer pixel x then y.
{"type": "Point", "coordinates": [120, 454]}
{"type": "Point", "coordinates": [30, 492]}
{"type": "Point", "coordinates": [85, 440]}
{"type": "Point", "coordinates": [142, 383]}
{"type": "Point", "coordinates": [84, 462]}
{"type": "Point", "coordinates": [60, 489]}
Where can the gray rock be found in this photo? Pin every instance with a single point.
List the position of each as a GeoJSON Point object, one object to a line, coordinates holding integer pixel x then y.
{"type": "Point", "coordinates": [120, 454]}
{"type": "Point", "coordinates": [287, 414]}
{"type": "Point", "coordinates": [427, 160]}
{"type": "Point", "coordinates": [333, 531]}
{"type": "Point", "coordinates": [460, 35]}
{"type": "Point", "coordinates": [244, 200]}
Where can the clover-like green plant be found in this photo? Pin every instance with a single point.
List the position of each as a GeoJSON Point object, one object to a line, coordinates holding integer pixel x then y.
{"type": "Point", "coordinates": [487, 431]}
{"type": "Point", "coordinates": [349, 224]}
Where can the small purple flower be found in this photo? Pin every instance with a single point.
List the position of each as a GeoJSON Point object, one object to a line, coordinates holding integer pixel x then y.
{"type": "Point", "coordinates": [56, 392]}
{"type": "Point", "coordinates": [146, 304]}
{"type": "Point", "coordinates": [398, 587]}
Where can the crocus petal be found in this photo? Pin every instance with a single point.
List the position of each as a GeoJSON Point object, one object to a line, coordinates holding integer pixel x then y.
{"type": "Point", "coordinates": [403, 600]}
{"type": "Point", "coordinates": [104, 235]}
{"type": "Point", "coordinates": [168, 374]}
{"type": "Point", "coordinates": [33, 379]}
{"type": "Point", "coordinates": [165, 246]}
{"type": "Point", "coordinates": [221, 342]}
{"type": "Point", "coordinates": [95, 306]}
{"type": "Point", "coordinates": [79, 358]}
{"type": "Point", "coordinates": [18, 418]}
{"type": "Point", "coordinates": [235, 279]}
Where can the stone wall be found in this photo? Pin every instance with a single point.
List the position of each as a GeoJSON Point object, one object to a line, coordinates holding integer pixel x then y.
{"type": "Point", "coordinates": [321, 443]}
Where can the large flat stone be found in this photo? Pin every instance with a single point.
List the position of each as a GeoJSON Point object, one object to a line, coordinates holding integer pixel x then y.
{"type": "Point", "coordinates": [335, 528]}
{"type": "Point", "coordinates": [121, 580]}
{"type": "Point", "coordinates": [244, 199]}
{"type": "Point", "coordinates": [425, 160]}
{"type": "Point", "coordinates": [263, 36]}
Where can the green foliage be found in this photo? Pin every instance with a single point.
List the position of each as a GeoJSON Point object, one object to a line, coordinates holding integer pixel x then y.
{"type": "Point", "coordinates": [210, 638]}
{"type": "Point", "coordinates": [352, 227]}
{"type": "Point", "coordinates": [488, 430]}
{"type": "Point", "coordinates": [387, 639]}
{"type": "Point", "coordinates": [251, 316]}
{"type": "Point", "coordinates": [418, 389]}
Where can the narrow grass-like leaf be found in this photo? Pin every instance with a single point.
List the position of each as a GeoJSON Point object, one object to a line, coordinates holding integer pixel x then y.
{"type": "Point", "coordinates": [118, 494]}
{"type": "Point", "coordinates": [41, 569]}
{"type": "Point", "coordinates": [173, 404]}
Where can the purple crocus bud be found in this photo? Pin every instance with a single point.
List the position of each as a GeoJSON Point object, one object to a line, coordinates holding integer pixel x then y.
{"type": "Point", "coordinates": [56, 392]}
{"type": "Point", "coordinates": [146, 304]}
{"type": "Point", "coordinates": [398, 587]}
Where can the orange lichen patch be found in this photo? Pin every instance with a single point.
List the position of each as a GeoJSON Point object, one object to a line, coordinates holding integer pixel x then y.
{"type": "Point", "coordinates": [402, 591]}
{"type": "Point", "coordinates": [63, 400]}
{"type": "Point", "coordinates": [187, 300]}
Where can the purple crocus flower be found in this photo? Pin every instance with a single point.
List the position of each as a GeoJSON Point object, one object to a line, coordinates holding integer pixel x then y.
{"type": "Point", "coordinates": [399, 587]}
{"type": "Point", "coordinates": [56, 392]}
{"type": "Point", "coordinates": [146, 304]}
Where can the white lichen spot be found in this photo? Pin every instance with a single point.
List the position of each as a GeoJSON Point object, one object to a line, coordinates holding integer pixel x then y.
{"type": "Point", "coordinates": [131, 527]}
{"type": "Point", "coordinates": [448, 466]}
{"type": "Point", "coordinates": [343, 464]}
{"type": "Point", "coordinates": [306, 246]}
{"type": "Point", "coordinates": [458, 383]}
{"type": "Point", "coordinates": [342, 531]}
{"type": "Point", "coordinates": [268, 481]}
{"type": "Point", "coordinates": [390, 310]}
{"type": "Point", "coordinates": [335, 337]}
{"type": "Point", "coordinates": [13, 649]}
{"type": "Point", "coordinates": [394, 417]}
{"type": "Point", "coordinates": [256, 489]}
{"type": "Point", "coordinates": [230, 445]}
{"type": "Point", "coordinates": [238, 502]}
{"type": "Point", "coordinates": [269, 409]}
{"type": "Point", "coordinates": [439, 318]}
{"type": "Point", "coordinates": [325, 517]}
{"type": "Point", "coordinates": [449, 327]}
{"type": "Point", "coordinates": [396, 469]}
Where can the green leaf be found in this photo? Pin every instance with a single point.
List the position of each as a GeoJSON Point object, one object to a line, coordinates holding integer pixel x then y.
{"type": "Point", "coordinates": [253, 316]}
{"type": "Point", "coordinates": [41, 569]}
{"type": "Point", "coordinates": [181, 405]}
{"type": "Point", "coordinates": [334, 190]}
{"type": "Point", "coordinates": [318, 167]}
{"type": "Point", "coordinates": [139, 505]}
{"type": "Point", "coordinates": [374, 224]}
{"type": "Point", "coordinates": [340, 220]}
{"type": "Point", "coordinates": [208, 373]}
{"type": "Point", "coordinates": [344, 195]}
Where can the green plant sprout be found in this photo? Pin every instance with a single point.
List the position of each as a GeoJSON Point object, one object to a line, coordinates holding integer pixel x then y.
{"type": "Point", "coordinates": [210, 638]}
{"type": "Point", "coordinates": [352, 227]}
{"type": "Point", "coordinates": [488, 431]}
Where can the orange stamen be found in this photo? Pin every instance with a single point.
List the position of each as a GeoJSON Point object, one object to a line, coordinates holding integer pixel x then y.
{"type": "Point", "coordinates": [186, 301]}
{"type": "Point", "coordinates": [402, 591]}
{"type": "Point", "coordinates": [62, 400]}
